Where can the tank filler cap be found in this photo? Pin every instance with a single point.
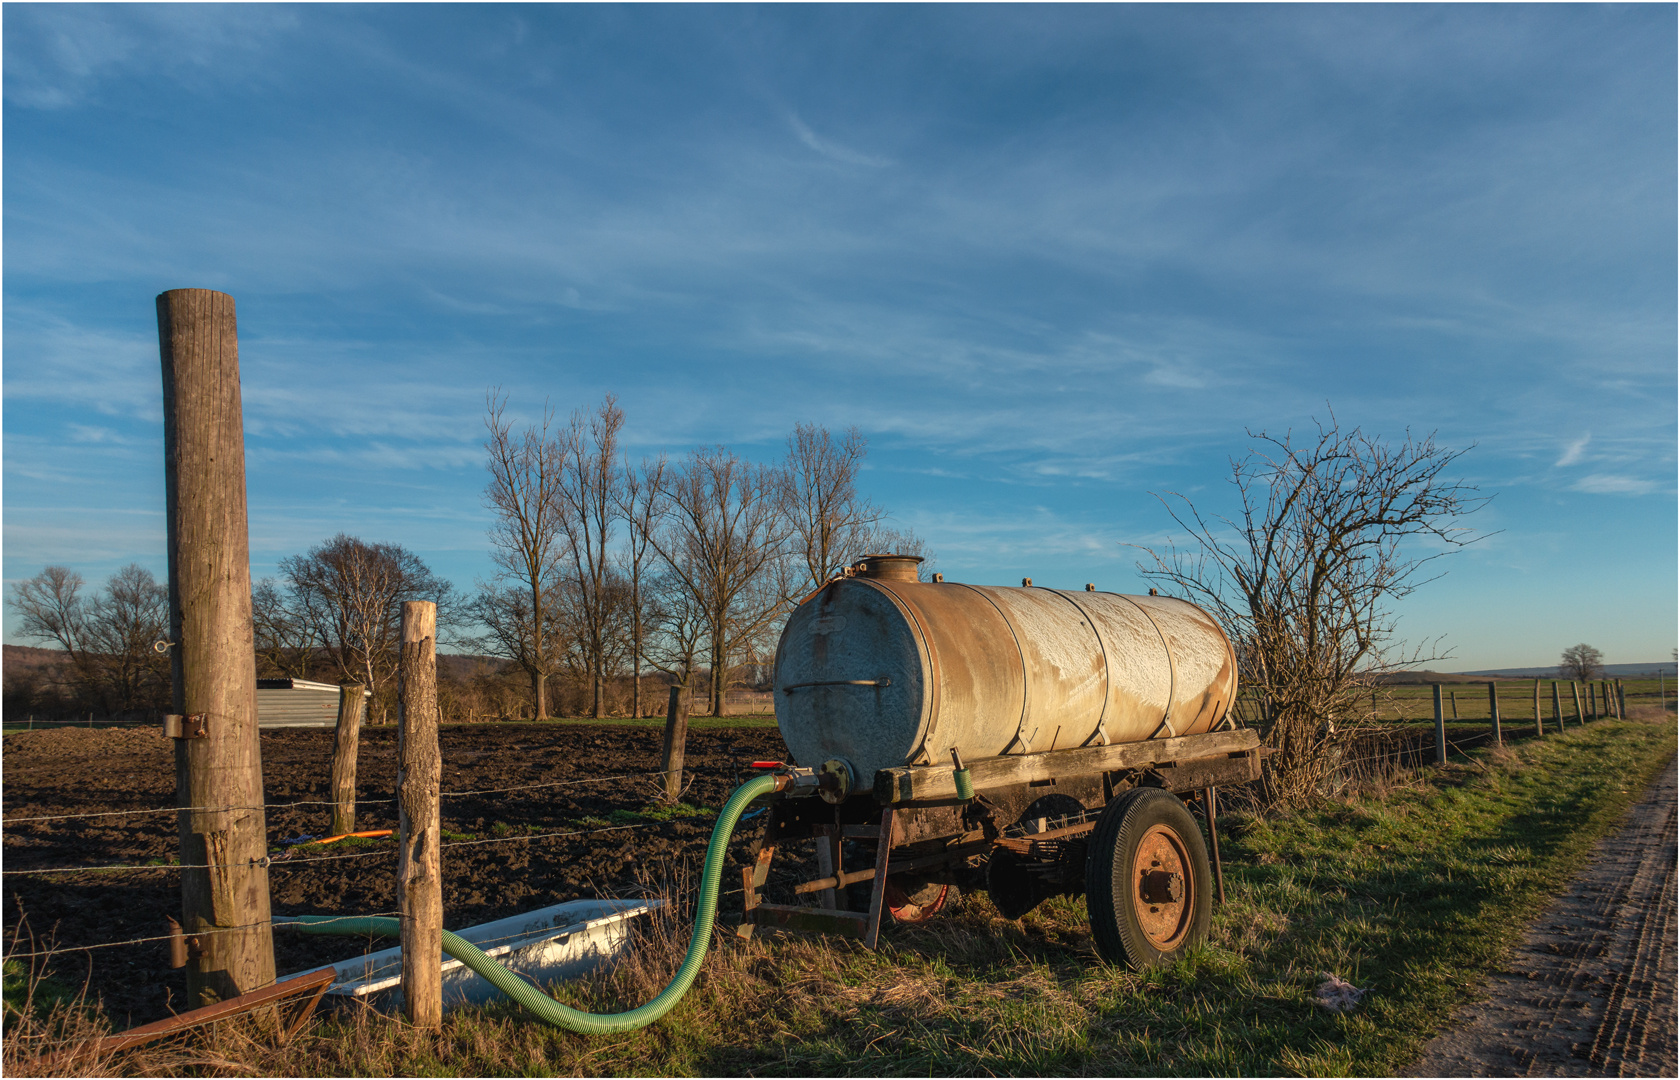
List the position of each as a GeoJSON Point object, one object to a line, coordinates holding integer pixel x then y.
{"type": "Point", "coordinates": [888, 567]}
{"type": "Point", "coordinates": [836, 780]}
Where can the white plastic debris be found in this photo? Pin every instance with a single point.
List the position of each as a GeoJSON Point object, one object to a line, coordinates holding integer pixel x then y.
{"type": "Point", "coordinates": [1338, 995]}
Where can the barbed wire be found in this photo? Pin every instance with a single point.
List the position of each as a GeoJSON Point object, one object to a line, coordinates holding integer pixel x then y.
{"type": "Point", "coordinates": [288, 863]}
{"type": "Point", "coordinates": [322, 802]}
{"type": "Point", "coordinates": [187, 933]}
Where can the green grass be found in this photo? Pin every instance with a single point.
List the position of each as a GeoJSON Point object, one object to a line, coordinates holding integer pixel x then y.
{"type": "Point", "coordinates": [1415, 892]}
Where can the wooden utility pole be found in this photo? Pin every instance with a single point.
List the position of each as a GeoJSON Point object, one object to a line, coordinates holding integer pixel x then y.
{"type": "Point", "coordinates": [1440, 729]}
{"type": "Point", "coordinates": [218, 758]}
{"type": "Point", "coordinates": [351, 703]}
{"type": "Point", "coordinates": [676, 743]}
{"type": "Point", "coordinates": [419, 776]}
{"type": "Point", "coordinates": [1493, 713]}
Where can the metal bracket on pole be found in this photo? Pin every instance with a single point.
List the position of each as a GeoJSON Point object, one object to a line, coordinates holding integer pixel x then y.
{"type": "Point", "coordinates": [190, 726]}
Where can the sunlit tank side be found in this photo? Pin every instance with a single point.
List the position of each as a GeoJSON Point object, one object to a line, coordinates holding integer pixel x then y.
{"type": "Point", "coordinates": [881, 670]}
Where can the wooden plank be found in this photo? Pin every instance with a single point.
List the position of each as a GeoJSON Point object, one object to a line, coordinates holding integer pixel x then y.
{"type": "Point", "coordinates": [419, 777]}
{"type": "Point", "coordinates": [224, 897]}
{"type": "Point", "coordinates": [934, 783]}
{"type": "Point", "coordinates": [811, 920]}
{"type": "Point", "coordinates": [878, 895]}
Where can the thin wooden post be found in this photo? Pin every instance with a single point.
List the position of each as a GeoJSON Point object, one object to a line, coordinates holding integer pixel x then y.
{"type": "Point", "coordinates": [351, 703]}
{"type": "Point", "coordinates": [1621, 700]}
{"type": "Point", "coordinates": [1493, 713]}
{"type": "Point", "coordinates": [1453, 694]}
{"type": "Point", "coordinates": [419, 776]}
{"type": "Point", "coordinates": [218, 763]}
{"type": "Point", "coordinates": [1440, 729]}
{"type": "Point", "coordinates": [1580, 717]}
{"type": "Point", "coordinates": [1592, 701]}
{"type": "Point", "coordinates": [1557, 707]}
{"type": "Point", "coordinates": [676, 743]}
{"type": "Point", "coordinates": [1539, 724]}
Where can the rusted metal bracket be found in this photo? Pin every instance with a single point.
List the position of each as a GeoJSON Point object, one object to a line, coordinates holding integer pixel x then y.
{"type": "Point", "coordinates": [190, 726]}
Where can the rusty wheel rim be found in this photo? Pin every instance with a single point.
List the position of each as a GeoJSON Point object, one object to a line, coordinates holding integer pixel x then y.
{"type": "Point", "coordinates": [1163, 889]}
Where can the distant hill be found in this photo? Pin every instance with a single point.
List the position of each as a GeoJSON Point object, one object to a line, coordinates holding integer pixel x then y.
{"type": "Point", "coordinates": [1615, 671]}
{"type": "Point", "coordinates": [27, 656]}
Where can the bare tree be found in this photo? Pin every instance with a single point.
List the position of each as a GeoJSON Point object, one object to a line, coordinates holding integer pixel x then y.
{"type": "Point", "coordinates": [640, 504]}
{"type": "Point", "coordinates": [527, 543]}
{"type": "Point", "coordinates": [1581, 662]}
{"type": "Point", "coordinates": [109, 638]}
{"type": "Point", "coordinates": [721, 538]}
{"type": "Point", "coordinates": [351, 592]}
{"type": "Point", "coordinates": [1304, 578]}
{"type": "Point", "coordinates": [588, 498]}
{"type": "Point", "coordinates": [829, 524]}
{"type": "Point", "coordinates": [282, 636]}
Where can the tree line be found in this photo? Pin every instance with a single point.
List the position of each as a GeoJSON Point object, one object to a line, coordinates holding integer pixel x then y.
{"type": "Point", "coordinates": [608, 574]}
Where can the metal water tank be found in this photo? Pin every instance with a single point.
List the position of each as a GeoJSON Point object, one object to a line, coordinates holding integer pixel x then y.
{"type": "Point", "coordinates": [881, 670]}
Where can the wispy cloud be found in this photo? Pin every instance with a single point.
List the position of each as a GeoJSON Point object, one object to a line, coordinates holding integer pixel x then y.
{"type": "Point", "coordinates": [1573, 450]}
{"type": "Point", "coordinates": [831, 149]}
{"type": "Point", "coordinates": [1613, 484]}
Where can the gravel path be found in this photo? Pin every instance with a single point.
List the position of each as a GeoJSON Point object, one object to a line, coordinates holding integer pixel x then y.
{"type": "Point", "coordinates": [1591, 990]}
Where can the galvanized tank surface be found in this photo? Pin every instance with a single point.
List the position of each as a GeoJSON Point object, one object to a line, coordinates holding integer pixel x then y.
{"type": "Point", "coordinates": [882, 670]}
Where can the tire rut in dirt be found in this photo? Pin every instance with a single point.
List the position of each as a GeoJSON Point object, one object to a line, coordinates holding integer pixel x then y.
{"type": "Point", "coordinates": [1591, 990]}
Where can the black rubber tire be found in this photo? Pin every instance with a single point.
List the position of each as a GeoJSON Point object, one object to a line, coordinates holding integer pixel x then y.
{"type": "Point", "coordinates": [1111, 893]}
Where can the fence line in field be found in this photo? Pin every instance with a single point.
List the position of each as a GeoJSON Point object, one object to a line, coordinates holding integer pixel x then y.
{"type": "Point", "coordinates": [320, 802]}
{"type": "Point", "coordinates": [287, 863]}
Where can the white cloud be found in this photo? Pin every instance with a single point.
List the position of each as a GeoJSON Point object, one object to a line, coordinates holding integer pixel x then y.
{"type": "Point", "coordinates": [1572, 452]}
{"type": "Point", "coordinates": [1611, 484]}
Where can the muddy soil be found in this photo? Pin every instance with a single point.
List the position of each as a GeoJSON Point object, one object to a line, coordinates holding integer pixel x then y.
{"type": "Point", "coordinates": [78, 771]}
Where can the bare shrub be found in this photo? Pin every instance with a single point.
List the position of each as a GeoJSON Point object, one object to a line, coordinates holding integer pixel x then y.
{"type": "Point", "coordinates": [1305, 576]}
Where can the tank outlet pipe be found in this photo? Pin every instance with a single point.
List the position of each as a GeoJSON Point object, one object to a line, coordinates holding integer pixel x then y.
{"type": "Point", "coordinates": [792, 781]}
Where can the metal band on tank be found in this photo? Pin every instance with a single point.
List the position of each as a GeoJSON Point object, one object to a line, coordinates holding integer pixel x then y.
{"type": "Point", "coordinates": [924, 643]}
{"type": "Point", "coordinates": [1026, 677]}
{"type": "Point", "coordinates": [1172, 669]}
{"type": "Point", "coordinates": [1108, 678]}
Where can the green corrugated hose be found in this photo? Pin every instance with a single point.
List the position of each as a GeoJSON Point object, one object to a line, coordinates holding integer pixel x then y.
{"type": "Point", "coordinates": [533, 999]}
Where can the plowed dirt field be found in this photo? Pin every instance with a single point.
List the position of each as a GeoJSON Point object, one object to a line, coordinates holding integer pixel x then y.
{"type": "Point", "coordinates": [521, 780]}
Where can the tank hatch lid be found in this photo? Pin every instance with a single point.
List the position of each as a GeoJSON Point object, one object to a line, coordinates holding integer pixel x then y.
{"type": "Point", "coordinates": [888, 567]}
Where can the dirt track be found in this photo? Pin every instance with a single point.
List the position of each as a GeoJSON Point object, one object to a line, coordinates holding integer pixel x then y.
{"type": "Point", "coordinates": [79, 771]}
{"type": "Point", "coordinates": [1591, 990]}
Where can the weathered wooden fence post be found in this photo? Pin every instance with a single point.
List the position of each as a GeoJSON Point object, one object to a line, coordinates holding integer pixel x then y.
{"type": "Point", "coordinates": [1580, 717]}
{"type": "Point", "coordinates": [1453, 696]}
{"type": "Point", "coordinates": [218, 756]}
{"type": "Point", "coordinates": [1539, 724]}
{"type": "Point", "coordinates": [351, 702]}
{"type": "Point", "coordinates": [676, 743]}
{"type": "Point", "coordinates": [1557, 707]}
{"type": "Point", "coordinates": [1621, 700]}
{"type": "Point", "coordinates": [1592, 701]}
{"type": "Point", "coordinates": [419, 776]}
{"type": "Point", "coordinates": [1493, 713]}
{"type": "Point", "coordinates": [1440, 729]}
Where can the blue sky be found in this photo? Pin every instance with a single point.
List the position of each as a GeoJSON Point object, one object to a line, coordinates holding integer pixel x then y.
{"type": "Point", "coordinates": [1048, 259]}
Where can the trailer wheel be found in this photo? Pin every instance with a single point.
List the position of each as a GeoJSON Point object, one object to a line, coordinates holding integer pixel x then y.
{"type": "Point", "coordinates": [1148, 885]}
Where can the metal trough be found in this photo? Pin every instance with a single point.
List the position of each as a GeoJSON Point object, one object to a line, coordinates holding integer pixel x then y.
{"type": "Point", "coordinates": [559, 942]}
